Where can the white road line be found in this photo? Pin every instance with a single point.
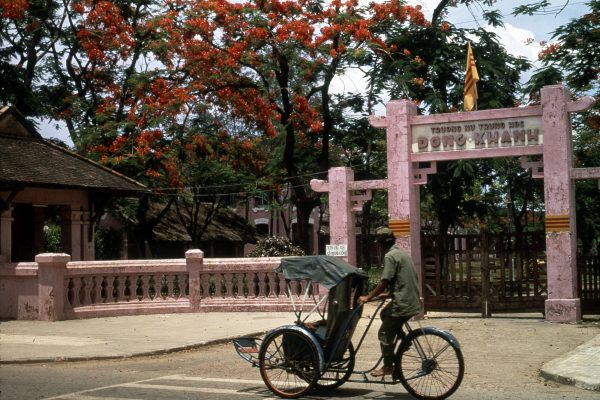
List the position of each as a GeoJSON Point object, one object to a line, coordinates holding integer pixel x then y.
{"type": "Point", "coordinates": [186, 389]}
{"type": "Point", "coordinates": [142, 384]}
{"type": "Point", "coordinates": [84, 397]}
{"type": "Point", "coordinates": [81, 392]}
{"type": "Point", "coordinates": [203, 379]}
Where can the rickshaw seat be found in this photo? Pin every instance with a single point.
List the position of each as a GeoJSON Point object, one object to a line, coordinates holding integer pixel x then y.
{"type": "Point", "coordinates": [343, 314]}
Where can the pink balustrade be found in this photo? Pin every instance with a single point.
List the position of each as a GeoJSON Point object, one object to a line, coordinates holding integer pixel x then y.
{"type": "Point", "coordinates": [136, 287]}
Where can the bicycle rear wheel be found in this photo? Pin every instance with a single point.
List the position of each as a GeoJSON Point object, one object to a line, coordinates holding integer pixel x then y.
{"type": "Point", "coordinates": [431, 366]}
{"type": "Point", "coordinates": [339, 371]}
{"type": "Point", "coordinates": [289, 363]}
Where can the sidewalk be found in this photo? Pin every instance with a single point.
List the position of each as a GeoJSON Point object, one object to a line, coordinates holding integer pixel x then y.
{"type": "Point", "coordinates": [121, 337]}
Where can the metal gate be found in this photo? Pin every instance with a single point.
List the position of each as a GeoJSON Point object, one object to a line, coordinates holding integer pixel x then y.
{"type": "Point", "coordinates": [487, 273]}
{"type": "Point", "coordinates": [588, 268]}
{"type": "Point", "coordinates": [496, 273]}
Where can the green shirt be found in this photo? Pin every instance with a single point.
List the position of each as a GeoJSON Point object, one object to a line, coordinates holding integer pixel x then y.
{"type": "Point", "coordinates": [399, 271]}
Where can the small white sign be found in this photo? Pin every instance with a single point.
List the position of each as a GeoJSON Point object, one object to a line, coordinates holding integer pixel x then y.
{"type": "Point", "coordinates": [337, 250]}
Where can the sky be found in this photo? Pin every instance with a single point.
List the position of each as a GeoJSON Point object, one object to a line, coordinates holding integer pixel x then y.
{"type": "Point", "coordinates": [514, 36]}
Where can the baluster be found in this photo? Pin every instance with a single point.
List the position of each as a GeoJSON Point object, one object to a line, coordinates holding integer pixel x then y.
{"type": "Point", "coordinates": [220, 288]}
{"type": "Point", "coordinates": [185, 290]}
{"type": "Point", "coordinates": [315, 290]}
{"type": "Point", "coordinates": [183, 286]}
{"type": "Point", "coordinates": [114, 284]}
{"type": "Point", "coordinates": [123, 285]}
{"type": "Point", "coordinates": [177, 291]}
{"type": "Point", "coordinates": [76, 288]}
{"type": "Point", "coordinates": [166, 287]}
{"type": "Point", "coordinates": [302, 285]}
{"type": "Point", "coordinates": [69, 292]}
{"type": "Point", "coordinates": [96, 290]}
{"type": "Point", "coordinates": [100, 289]}
{"type": "Point", "coordinates": [253, 285]}
{"type": "Point", "coordinates": [228, 278]}
{"type": "Point", "coordinates": [293, 288]}
{"type": "Point", "coordinates": [243, 286]}
{"type": "Point", "coordinates": [170, 286]}
{"type": "Point", "coordinates": [138, 289]}
{"type": "Point", "coordinates": [145, 288]}
{"type": "Point", "coordinates": [270, 292]}
{"type": "Point", "coordinates": [88, 288]}
{"type": "Point", "coordinates": [204, 285]}
{"type": "Point", "coordinates": [109, 289]}
{"type": "Point", "coordinates": [282, 286]}
{"type": "Point", "coordinates": [261, 284]}
{"type": "Point", "coordinates": [271, 289]}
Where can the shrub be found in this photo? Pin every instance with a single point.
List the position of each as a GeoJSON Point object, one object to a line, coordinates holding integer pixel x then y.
{"type": "Point", "coordinates": [52, 238]}
{"type": "Point", "coordinates": [276, 246]}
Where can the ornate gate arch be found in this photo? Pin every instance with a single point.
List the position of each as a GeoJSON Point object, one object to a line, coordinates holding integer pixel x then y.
{"type": "Point", "coordinates": [516, 132]}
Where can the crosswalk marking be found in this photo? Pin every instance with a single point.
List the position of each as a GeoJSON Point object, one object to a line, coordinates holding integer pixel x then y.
{"type": "Point", "coordinates": [146, 384]}
{"type": "Point", "coordinates": [218, 380]}
{"type": "Point", "coordinates": [74, 396]}
{"type": "Point", "coordinates": [186, 389]}
{"type": "Point", "coordinates": [168, 383]}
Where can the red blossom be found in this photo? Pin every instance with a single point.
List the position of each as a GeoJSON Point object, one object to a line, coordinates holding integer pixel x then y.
{"type": "Point", "coordinates": [14, 9]}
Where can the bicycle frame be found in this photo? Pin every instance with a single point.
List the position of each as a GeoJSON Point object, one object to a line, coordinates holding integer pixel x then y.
{"type": "Point", "coordinates": [397, 345]}
{"type": "Point", "coordinates": [294, 359]}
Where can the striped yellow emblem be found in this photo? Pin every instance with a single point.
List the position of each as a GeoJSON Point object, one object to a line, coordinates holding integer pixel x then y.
{"type": "Point", "coordinates": [557, 223]}
{"type": "Point", "coordinates": [400, 227]}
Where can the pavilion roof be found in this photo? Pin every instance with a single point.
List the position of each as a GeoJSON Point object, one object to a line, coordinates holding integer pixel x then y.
{"type": "Point", "coordinates": [28, 160]}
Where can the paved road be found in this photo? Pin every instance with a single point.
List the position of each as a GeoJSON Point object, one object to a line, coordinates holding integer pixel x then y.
{"type": "Point", "coordinates": [197, 387]}
{"type": "Point", "coordinates": [215, 372]}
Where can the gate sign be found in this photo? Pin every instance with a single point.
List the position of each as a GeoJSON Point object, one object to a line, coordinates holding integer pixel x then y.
{"type": "Point", "coordinates": [337, 250]}
{"type": "Point", "coordinates": [484, 134]}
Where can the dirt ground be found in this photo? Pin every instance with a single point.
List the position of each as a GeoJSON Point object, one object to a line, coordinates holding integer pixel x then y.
{"type": "Point", "coordinates": [506, 351]}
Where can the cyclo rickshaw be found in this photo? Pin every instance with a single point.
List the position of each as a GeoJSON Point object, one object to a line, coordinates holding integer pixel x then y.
{"type": "Point", "coordinates": [296, 358]}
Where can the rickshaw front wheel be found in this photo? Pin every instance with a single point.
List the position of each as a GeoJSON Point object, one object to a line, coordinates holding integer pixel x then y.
{"type": "Point", "coordinates": [431, 364]}
{"type": "Point", "coordinates": [289, 363]}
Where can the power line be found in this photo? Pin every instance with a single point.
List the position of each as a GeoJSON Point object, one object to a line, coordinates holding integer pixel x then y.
{"type": "Point", "coordinates": [176, 191]}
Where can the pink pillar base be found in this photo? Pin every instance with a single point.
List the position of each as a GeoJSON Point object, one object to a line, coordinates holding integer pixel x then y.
{"type": "Point", "coordinates": [563, 310]}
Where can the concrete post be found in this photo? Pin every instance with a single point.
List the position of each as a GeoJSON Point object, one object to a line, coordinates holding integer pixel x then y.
{"type": "Point", "coordinates": [52, 293]}
{"type": "Point", "coordinates": [562, 304]}
{"type": "Point", "coordinates": [342, 226]}
{"type": "Point", "coordinates": [38, 220]}
{"type": "Point", "coordinates": [87, 237]}
{"type": "Point", "coordinates": [194, 260]}
{"type": "Point", "coordinates": [72, 227]}
{"type": "Point", "coordinates": [5, 235]}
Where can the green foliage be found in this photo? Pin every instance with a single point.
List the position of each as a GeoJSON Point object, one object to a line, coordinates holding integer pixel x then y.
{"type": "Point", "coordinates": [109, 243]}
{"type": "Point", "coordinates": [574, 58]}
{"type": "Point", "coordinates": [275, 246]}
{"type": "Point", "coordinates": [52, 238]}
{"type": "Point", "coordinates": [374, 277]}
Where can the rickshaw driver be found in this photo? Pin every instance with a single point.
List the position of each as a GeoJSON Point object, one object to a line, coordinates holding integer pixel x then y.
{"type": "Point", "coordinates": [400, 277]}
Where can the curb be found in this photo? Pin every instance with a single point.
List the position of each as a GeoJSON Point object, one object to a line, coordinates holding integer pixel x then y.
{"type": "Point", "coordinates": [128, 356]}
{"type": "Point", "coordinates": [578, 368]}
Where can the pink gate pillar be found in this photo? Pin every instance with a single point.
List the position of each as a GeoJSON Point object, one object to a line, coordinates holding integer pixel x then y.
{"type": "Point", "coordinates": [404, 204]}
{"type": "Point", "coordinates": [346, 197]}
{"type": "Point", "coordinates": [342, 228]}
{"type": "Point", "coordinates": [562, 304]}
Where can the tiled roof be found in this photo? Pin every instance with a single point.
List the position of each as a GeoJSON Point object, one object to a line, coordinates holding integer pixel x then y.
{"type": "Point", "coordinates": [36, 162]}
{"type": "Point", "coordinates": [28, 160]}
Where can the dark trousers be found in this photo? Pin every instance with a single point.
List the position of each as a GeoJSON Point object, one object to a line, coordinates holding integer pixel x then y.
{"type": "Point", "coordinates": [391, 327]}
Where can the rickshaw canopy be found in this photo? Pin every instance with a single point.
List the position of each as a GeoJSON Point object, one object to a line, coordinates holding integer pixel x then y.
{"type": "Point", "coordinates": [327, 270]}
